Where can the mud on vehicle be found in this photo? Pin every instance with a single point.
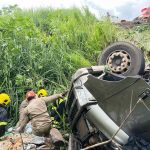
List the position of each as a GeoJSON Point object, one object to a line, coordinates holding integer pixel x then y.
{"type": "Point", "coordinates": [110, 106]}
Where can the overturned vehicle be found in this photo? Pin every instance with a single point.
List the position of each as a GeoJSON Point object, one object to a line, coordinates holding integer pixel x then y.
{"type": "Point", "coordinates": [109, 105]}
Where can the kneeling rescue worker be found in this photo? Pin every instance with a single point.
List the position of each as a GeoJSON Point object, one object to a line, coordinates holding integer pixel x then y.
{"type": "Point", "coordinates": [36, 112]}
{"type": "Point", "coordinates": [4, 101]}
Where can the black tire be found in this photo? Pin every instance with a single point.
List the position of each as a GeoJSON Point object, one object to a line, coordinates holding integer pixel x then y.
{"type": "Point", "coordinates": [125, 56]}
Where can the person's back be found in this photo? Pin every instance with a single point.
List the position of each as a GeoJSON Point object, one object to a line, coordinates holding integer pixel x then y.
{"type": "Point", "coordinates": [37, 112]}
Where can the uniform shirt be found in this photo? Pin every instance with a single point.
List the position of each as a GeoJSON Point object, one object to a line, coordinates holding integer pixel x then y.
{"type": "Point", "coordinates": [36, 111]}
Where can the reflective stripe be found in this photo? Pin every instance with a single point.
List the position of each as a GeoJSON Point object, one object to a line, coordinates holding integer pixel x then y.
{"type": "Point", "coordinates": [60, 100]}
{"type": "Point", "coordinates": [54, 108]}
{"type": "Point", "coordinates": [52, 118]}
{"type": "Point", "coordinates": [57, 102]}
{"type": "Point", "coordinates": [3, 123]}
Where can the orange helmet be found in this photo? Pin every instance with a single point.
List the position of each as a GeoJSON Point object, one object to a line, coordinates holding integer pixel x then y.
{"type": "Point", "coordinates": [30, 94]}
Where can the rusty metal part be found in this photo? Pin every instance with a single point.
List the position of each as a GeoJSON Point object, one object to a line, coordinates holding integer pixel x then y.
{"type": "Point", "coordinates": [119, 61]}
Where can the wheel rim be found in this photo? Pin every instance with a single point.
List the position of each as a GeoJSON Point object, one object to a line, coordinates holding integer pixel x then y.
{"type": "Point", "coordinates": [119, 61]}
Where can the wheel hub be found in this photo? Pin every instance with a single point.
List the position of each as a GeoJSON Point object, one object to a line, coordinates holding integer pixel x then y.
{"type": "Point", "coordinates": [119, 61]}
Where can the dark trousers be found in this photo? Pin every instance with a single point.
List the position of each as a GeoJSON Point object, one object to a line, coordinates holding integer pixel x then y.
{"type": "Point", "coordinates": [2, 130]}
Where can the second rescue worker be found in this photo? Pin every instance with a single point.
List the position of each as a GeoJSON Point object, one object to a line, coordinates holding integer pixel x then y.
{"type": "Point", "coordinates": [36, 111]}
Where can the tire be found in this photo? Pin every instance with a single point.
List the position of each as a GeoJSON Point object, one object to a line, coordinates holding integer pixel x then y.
{"type": "Point", "coordinates": [123, 58]}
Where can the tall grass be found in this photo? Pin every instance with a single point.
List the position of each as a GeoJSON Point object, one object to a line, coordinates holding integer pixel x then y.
{"type": "Point", "coordinates": [46, 46]}
{"type": "Point", "coordinates": [139, 36]}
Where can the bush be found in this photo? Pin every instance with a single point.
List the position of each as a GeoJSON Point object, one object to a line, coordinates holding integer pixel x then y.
{"type": "Point", "coordinates": [47, 45]}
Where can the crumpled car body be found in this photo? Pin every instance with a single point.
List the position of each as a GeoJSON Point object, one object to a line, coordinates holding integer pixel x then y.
{"type": "Point", "coordinates": [99, 102]}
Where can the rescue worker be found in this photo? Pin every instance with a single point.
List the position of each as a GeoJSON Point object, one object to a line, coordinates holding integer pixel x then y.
{"type": "Point", "coordinates": [42, 93]}
{"type": "Point", "coordinates": [57, 108]}
{"type": "Point", "coordinates": [4, 101]}
{"type": "Point", "coordinates": [23, 105]}
{"type": "Point", "coordinates": [36, 111]}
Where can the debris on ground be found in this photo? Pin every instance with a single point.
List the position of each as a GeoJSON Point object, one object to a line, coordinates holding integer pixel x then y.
{"type": "Point", "coordinates": [25, 141]}
{"type": "Point", "coordinates": [130, 24]}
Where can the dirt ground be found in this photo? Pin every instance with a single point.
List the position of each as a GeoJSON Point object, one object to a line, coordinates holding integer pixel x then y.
{"type": "Point", "coordinates": [29, 141]}
{"type": "Point", "coordinates": [136, 22]}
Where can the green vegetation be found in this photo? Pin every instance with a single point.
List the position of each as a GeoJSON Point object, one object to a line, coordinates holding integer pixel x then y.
{"type": "Point", "coordinates": [139, 36]}
{"type": "Point", "coordinates": [46, 46]}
